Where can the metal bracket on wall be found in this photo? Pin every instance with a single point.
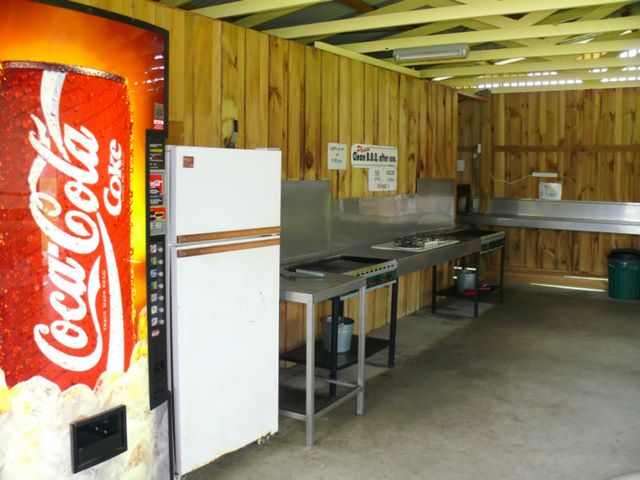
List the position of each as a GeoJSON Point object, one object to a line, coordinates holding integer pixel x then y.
{"type": "Point", "coordinates": [231, 142]}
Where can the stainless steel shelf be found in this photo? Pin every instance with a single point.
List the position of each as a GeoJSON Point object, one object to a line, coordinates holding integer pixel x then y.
{"type": "Point", "coordinates": [323, 358]}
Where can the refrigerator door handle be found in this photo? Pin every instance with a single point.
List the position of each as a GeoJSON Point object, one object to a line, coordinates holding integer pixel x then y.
{"type": "Point", "coordinates": [192, 252]}
{"type": "Point", "coordinates": [229, 235]}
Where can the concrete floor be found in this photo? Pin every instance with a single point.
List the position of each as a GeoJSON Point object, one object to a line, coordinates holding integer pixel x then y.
{"type": "Point", "coordinates": [545, 386]}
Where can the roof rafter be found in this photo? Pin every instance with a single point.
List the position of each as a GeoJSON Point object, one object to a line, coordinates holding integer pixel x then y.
{"type": "Point", "coordinates": [588, 85]}
{"type": "Point", "coordinates": [583, 75]}
{"type": "Point", "coordinates": [498, 34]}
{"type": "Point", "coordinates": [560, 64]}
{"type": "Point", "coordinates": [550, 50]}
{"type": "Point", "coordinates": [246, 7]}
{"type": "Point", "coordinates": [415, 17]}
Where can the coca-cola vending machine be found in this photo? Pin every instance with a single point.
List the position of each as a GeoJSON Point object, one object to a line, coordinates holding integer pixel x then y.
{"type": "Point", "coordinates": [84, 388]}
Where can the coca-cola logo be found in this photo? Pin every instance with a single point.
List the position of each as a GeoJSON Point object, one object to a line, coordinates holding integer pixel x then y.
{"type": "Point", "coordinates": [78, 232]}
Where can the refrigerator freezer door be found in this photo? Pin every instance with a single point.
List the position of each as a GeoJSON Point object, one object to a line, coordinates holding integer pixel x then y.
{"type": "Point", "coordinates": [216, 190]}
{"type": "Point", "coordinates": [225, 340]}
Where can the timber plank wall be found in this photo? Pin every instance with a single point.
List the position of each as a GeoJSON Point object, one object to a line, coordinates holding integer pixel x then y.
{"type": "Point", "coordinates": [591, 138]}
{"type": "Point", "coordinates": [284, 94]}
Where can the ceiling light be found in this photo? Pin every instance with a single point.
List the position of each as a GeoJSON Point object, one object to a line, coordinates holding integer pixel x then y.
{"type": "Point", "coordinates": [508, 60]}
{"type": "Point", "coordinates": [439, 79]}
{"type": "Point", "coordinates": [436, 52]}
{"type": "Point", "coordinates": [629, 53]}
{"type": "Point", "coordinates": [598, 70]}
{"type": "Point", "coordinates": [540, 74]}
{"type": "Point", "coordinates": [626, 32]}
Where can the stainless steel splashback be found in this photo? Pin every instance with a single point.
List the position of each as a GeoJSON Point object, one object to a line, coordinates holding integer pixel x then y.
{"type": "Point", "coordinates": [581, 216]}
{"type": "Point", "coordinates": [305, 220]}
{"type": "Point", "coordinates": [608, 211]}
{"type": "Point", "coordinates": [362, 221]}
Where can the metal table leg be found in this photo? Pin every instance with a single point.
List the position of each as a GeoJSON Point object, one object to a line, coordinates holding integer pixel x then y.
{"type": "Point", "coordinates": [434, 287]}
{"type": "Point", "coordinates": [333, 370]}
{"type": "Point", "coordinates": [310, 376]}
{"type": "Point", "coordinates": [502, 259]}
{"type": "Point", "coordinates": [361, 350]}
{"type": "Point", "coordinates": [476, 297]}
{"type": "Point", "coordinates": [393, 324]}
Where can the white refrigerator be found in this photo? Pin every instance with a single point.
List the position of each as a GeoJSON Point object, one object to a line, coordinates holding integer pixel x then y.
{"type": "Point", "coordinates": [224, 255]}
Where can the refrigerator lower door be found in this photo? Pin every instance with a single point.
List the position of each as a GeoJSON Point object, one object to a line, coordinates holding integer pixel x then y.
{"type": "Point", "coordinates": [225, 311]}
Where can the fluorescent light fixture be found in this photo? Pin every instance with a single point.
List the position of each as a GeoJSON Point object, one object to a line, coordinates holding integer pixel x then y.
{"type": "Point", "coordinates": [436, 52]}
{"type": "Point", "coordinates": [626, 32]}
{"type": "Point", "coordinates": [439, 79]}
{"type": "Point", "coordinates": [532, 83]}
{"type": "Point", "coordinates": [598, 70]}
{"type": "Point", "coordinates": [542, 74]}
{"type": "Point", "coordinates": [508, 60]}
{"type": "Point", "coordinates": [629, 53]}
{"type": "Point", "coordinates": [619, 79]}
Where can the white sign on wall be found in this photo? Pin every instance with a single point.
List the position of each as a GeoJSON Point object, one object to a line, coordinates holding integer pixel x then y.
{"type": "Point", "coordinates": [368, 156]}
{"type": "Point", "coordinates": [337, 156]}
{"type": "Point", "coordinates": [549, 191]}
{"type": "Point", "coordinates": [383, 179]}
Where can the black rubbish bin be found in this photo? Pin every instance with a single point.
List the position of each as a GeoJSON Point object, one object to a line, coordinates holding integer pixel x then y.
{"type": "Point", "coordinates": [624, 274]}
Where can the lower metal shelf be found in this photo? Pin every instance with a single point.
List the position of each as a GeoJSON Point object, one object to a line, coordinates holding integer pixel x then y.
{"type": "Point", "coordinates": [293, 399]}
{"type": "Point", "coordinates": [454, 292]}
{"type": "Point", "coordinates": [323, 358]}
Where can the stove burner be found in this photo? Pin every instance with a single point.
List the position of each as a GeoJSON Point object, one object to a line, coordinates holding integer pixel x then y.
{"type": "Point", "coordinates": [416, 241]}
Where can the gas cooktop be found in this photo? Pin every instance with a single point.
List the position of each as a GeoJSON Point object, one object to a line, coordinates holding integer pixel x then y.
{"type": "Point", "coordinates": [417, 243]}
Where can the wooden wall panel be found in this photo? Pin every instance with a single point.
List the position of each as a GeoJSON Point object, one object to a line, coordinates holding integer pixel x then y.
{"type": "Point", "coordinates": [289, 96]}
{"type": "Point", "coordinates": [279, 98]}
{"type": "Point", "coordinates": [232, 85]}
{"type": "Point", "coordinates": [330, 114]}
{"type": "Point", "coordinates": [590, 137]}
{"type": "Point", "coordinates": [312, 114]}
{"type": "Point", "coordinates": [295, 112]}
{"type": "Point", "coordinates": [207, 74]}
{"type": "Point", "coordinates": [256, 89]}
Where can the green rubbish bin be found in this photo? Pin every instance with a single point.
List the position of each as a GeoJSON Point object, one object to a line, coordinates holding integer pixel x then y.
{"type": "Point", "coordinates": [624, 274]}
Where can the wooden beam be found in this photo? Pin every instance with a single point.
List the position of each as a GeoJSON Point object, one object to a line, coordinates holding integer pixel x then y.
{"type": "Point", "coordinates": [471, 96]}
{"type": "Point", "coordinates": [498, 34]}
{"type": "Point", "coordinates": [247, 7]}
{"type": "Point", "coordinates": [546, 51]}
{"type": "Point", "coordinates": [522, 67]}
{"type": "Point", "coordinates": [366, 59]}
{"type": "Point", "coordinates": [416, 17]}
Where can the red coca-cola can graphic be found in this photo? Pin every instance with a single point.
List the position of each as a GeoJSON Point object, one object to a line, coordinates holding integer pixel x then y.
{"type": "Point", "coordinates": [65, 233]}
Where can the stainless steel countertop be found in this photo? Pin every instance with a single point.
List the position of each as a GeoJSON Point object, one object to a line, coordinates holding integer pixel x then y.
{"type": "Point", "coordinates": [409, 262]}
{"type": "Point", "coordinates": [553, 223]}
{"type": "Point", "coordinates": [305, 289]}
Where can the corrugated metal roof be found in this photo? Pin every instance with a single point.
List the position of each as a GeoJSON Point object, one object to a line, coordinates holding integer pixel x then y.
{"type": "Point", "coordinates": [321, 12]}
